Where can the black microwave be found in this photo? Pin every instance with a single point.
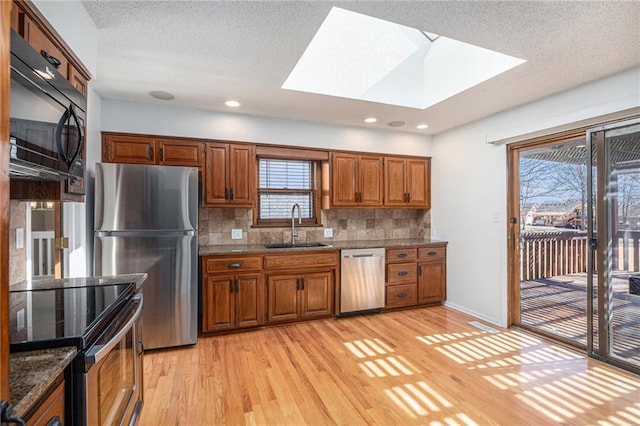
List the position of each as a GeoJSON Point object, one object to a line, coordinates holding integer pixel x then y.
{"type": "Point", "coordinates": [47, 118]}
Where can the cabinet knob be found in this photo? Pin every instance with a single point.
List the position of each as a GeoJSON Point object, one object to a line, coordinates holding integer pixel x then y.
{"type": "Point", "coordinates": [403, 273]}
{"type": "Point", "coordinates": [234, 265]}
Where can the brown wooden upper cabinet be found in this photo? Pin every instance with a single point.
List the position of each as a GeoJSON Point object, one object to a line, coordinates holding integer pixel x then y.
{"type": "Point", "coordinates": [407, 182]}
{"type": "Point", "coordinates": [230, 175]}
{"type": "Point", "coordinates": [356, 180]}
{"type": "Point", "coordinates": [140, 149]}
{"type": "Point", "coordinates": [30, 24]}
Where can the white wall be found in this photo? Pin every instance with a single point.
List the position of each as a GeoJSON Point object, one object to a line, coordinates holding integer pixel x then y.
{"type": "Point", "coordinates": [470, 187]}
{"type": "Point", "coordinates": [119, 116]}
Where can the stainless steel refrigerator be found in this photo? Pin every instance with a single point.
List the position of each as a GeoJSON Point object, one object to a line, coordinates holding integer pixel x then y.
{"type": "Point", "coordinates": [146, 220]}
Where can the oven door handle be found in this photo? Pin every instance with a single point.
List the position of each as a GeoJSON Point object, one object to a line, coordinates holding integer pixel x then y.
{"type": "Point", "coordinates": [98, 352]}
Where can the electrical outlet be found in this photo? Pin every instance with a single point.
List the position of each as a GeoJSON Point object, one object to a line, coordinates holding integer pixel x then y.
{"type": "Point", "coordinates": [19, 238]}
{"type": "Point", "coordinates": [236, 234]}
{"type": "Point", "coordinates": [328, 232]}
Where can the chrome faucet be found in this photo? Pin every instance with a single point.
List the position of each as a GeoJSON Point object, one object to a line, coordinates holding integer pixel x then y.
{"type": "Point", "coordinates": [294, 233]}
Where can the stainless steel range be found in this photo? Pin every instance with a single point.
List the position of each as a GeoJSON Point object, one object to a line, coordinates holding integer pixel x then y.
{"type": "Point", "coordinates": [101, 318]}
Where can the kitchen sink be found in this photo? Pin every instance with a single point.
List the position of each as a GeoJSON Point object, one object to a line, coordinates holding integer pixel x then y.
{"type": "Point", "coordinates": [296, 245]}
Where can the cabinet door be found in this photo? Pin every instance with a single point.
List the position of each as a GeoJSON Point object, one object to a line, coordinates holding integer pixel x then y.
{"type": "Point", "coordinates": [249, 310]}
{"type": "Point", "coordinates": [15, 17]}
{"type": "Point", "coordinates": [77, 80]}
{"type": "Point", "coordinates": [394, 178]}
{"type": "Point", "coordinates": [282, 298]}
{"type": "Point", "coordinates": [128, 149]}
{"type": "Point", "coordinates": [218, 303]}
{"type": "Point", "coordinates": [180, 153]}
{"type": "Point", "coordinates": [242, 175]}
{"type": "Point", "coordinates": [44, 46]}
{"type": "Point", "coordinates": [344, 180]}
{"type": "Point", "coordinates": [215, 185]}
{"type": "Point", "coordinates": [431, 282]}
{"type": "Point", "coordinates": [317, 295]}
{"type": "Point", "coordinates": [419, 183]}
{"type": "Point", "coordinates": [370, 181]}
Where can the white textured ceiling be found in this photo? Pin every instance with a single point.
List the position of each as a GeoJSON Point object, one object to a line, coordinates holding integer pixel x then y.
{"type": "Point", "coordinates": [205, 52]}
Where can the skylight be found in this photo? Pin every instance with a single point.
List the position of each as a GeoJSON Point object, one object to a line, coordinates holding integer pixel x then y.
{"type": "Point", "coordinates": [359, 57]}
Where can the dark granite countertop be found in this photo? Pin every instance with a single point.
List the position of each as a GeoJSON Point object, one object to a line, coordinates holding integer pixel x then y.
{"type": "Point", "coordinates": [50, 283]}
{"type": "Point", "coordinates": [31, 373]}
{"type": "Point", "coordinates": [332, 245]}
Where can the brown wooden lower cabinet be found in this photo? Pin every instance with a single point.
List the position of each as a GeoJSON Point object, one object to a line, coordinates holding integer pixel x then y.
{"type": "Point", "coordinates": [50, 408]}
{"type": "Point", "coordinates": [416, 276]}
{"type": "Point", "coordinates": [252, 290]}
{"type": "Point", "coordinates": [232, 301]}
{"type": "Point", "coordinates": [293, 297]}
{"type": "Point", "coordinates": [431, 282]}
{"type": "Point", "coordinates": [232, 292]}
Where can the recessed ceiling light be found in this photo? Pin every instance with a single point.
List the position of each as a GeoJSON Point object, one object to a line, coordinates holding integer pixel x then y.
{"type": "Point", "coordinates": [232, 104]}
{"type": "Point", "coordinates": [396, 123]}
{"type": "Point", "coordinates": [159, 94]}
{"type": "Point", "coordinates": [370, 120]}
{"type": "Point", "coordinates": [422, 126]}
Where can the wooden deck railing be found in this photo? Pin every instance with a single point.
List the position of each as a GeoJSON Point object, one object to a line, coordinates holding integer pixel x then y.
{"type": "Point", "coordinates": [625, 251]}
{"type": "Point", "coordinates": [549, 254]}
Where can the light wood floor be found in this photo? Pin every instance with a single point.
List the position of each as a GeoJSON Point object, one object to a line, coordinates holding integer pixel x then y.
{"type": "Point", "coordinates": [422, 366]}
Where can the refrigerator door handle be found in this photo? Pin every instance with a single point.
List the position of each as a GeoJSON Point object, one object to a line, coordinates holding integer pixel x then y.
{"type": "Point", "coordinates": [149, 233]}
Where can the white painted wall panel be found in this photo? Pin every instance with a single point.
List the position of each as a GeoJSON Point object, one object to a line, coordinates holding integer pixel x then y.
{"type": "Point", "coordinates": [120, 116]}
{"type": "Point", "coordinates": [470, 186]}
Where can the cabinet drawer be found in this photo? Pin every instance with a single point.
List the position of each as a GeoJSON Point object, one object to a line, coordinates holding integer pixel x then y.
{"type": "Point", "coordinates": [401, 295]}
{"type": "Point", "coordinates": [292, 260]}
{"type": "Point", "coordinates": [401, 255]}
{"type": "Point", "coordinates": [400, 273]}
{"type": "Point", "coordinates": [432, 253]}
{"type": "Point", "coordinates": [233, 264]}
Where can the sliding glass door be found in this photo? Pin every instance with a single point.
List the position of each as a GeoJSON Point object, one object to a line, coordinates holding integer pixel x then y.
{"type": "Point", "coordinates": [575, 240]}
{"type": "Point", "coordinates": [552, 238]}
{"type": "Point", "coordinates": [615, 231]}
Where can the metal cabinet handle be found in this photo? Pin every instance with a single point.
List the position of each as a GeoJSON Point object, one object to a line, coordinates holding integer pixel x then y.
{"type": "Point", "coordinates": [402, 255]}
{"type": "Point", "coordinates": [231, 194]}
{"type": "Point", "coordinates": [161, 154]}
{"type": "Point", "coordinates": [432, 253]}
{"type": "Point", "coordinates": [148, 153]}
{"type": "Point", "coordinates": [402, 294]}
{"type": "Point", "coordinates": [7, 415]}
{"type": "Point", "coordinates": [237, 285]}
{"type": "Point", "coordinates": [403, 273]}
{"type": "Point", "coordinates": [234, 265]}
{"type": "Point", "coordinates": [51, 59]}
{"type": "Point", "coordinates": [54, 421]}
{"type": "Point", "coordinates": [419, 269]}
{"type": "Point", "coordinates": [301, 283]}
{"type": "Point", "coordinates": [226, 193]}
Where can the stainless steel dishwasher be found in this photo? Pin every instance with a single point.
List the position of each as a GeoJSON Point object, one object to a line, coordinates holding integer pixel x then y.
{"type": "Point", "coordinates": [362, 287]}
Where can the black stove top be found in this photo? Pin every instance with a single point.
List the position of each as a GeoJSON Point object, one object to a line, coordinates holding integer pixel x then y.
{"type": "Point", "coordinates": [44, 317]}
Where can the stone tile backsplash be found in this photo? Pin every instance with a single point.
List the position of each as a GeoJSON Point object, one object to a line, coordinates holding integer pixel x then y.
{"type": "Point", "coordinates": [215, 225]}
